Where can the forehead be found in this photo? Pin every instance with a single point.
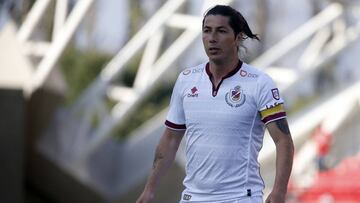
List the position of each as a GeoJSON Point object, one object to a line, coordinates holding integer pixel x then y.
{"type": "Point", "coordinates": [216, 21]}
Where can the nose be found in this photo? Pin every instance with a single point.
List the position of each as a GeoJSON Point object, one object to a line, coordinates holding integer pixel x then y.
{"type": "Point", "coordinates": [213, 37]}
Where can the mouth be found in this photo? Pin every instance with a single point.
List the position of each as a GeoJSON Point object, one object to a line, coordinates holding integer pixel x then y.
{"type": "Point", "coordinates": [213, 50]}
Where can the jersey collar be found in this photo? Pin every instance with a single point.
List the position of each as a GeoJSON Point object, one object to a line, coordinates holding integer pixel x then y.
{"type": "Point", "coordinates": [231, 73]}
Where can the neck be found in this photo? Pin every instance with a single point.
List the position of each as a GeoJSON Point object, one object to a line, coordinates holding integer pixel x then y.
{"type": "Point", "coordinates": [221, 69]}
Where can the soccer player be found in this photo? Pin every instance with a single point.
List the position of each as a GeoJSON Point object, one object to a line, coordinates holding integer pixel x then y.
{"type": "Point", "coordinates": [223, 106]}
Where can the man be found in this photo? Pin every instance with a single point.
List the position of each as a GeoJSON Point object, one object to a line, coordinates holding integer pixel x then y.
{"type": "Point", "coordinates": [224, 106]}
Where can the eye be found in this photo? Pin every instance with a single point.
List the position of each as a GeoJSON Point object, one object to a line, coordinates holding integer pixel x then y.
{"type": "Point", "coordinates": [222, 31]}
{"type": "Point", "coordinates": [206, 30]}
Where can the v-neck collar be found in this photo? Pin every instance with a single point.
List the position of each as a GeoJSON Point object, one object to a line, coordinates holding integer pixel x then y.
{"type": "Point", "coordinates": [215, 89]}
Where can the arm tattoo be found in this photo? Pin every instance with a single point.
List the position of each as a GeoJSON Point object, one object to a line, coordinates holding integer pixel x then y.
{"type": "Point", "coordinates": [158, 157]}
{"type": "Point", "coordinates": [283, 126]}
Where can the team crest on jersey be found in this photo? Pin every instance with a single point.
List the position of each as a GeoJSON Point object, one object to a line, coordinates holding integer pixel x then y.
{"type": "Point", "coordinates": [235, 97]}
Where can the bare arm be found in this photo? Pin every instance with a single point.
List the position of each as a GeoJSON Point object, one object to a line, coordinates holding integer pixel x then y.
{"type": "Point", "coordinates": [280, 133]}
{"type": "Point", "coordinates": [164, 157]}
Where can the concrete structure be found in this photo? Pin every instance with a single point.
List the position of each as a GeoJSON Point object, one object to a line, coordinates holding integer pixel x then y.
{"type": "Point", "coordinates": [15, 70]}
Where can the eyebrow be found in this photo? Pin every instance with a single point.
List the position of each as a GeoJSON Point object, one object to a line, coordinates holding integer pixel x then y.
{"type": "Point", "coordinates": [220, 27]}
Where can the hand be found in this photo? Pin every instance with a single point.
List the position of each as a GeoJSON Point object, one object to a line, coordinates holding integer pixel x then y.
{"type": "Point", "coordinates": [145, 197]}
{"type": "Point", "coordinates": [275, 197]}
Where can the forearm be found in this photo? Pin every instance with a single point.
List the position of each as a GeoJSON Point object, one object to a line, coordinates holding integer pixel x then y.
{"type": "Point", "coordinates": [162, 162]}
{"type": "Point", "coordinates": [284, 160]}
{"type": "Point", "coordinates": [280, 133]}
{"type": "Point", "coordinates": [164, 156]}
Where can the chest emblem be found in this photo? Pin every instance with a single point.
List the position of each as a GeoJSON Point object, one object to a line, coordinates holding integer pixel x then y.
{"type": "Point", "coordinates": [235, 97]}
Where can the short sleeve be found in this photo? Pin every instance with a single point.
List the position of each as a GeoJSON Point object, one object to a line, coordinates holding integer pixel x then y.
{"type": "Point", "coordinates": [176, 117]}
{"type": "Point", "coordinates": [269, 102]}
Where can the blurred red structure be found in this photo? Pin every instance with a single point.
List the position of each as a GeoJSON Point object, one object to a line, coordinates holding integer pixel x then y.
{"type": "Point", "coordinates": [340, 185]}
{"type": "Point", "coordinates": [323, 141]}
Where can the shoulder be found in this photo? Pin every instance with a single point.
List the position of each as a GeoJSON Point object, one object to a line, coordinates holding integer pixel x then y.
{"type": "Point", "coordinates": [249, 71]}
{"type": "Point", "coordinates": [195, 70]}
{"type": "Point", "coordinates": [192, 73]}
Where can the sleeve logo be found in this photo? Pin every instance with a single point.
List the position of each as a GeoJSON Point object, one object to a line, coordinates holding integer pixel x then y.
{"type": "Point", "coordinates": [275, 93]}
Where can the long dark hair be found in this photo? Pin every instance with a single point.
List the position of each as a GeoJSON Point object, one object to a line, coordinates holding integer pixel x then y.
{"type": "Point", "coordinates": [236, 21]}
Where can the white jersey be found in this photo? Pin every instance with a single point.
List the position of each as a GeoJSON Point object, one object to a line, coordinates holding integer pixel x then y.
{"type": "Point", "coordinates": [224, 130]}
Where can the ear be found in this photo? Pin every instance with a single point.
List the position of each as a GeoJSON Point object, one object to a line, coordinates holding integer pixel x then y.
{"type": "Point", "coordinates": [239, 38]}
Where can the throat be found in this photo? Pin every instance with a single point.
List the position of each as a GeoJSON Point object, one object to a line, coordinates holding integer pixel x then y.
{"type": "Point", "coordinates": [219, 75]}
{"type": "Point", "coordinates": [216, 81]}
{"type": "Point", "coordinates": [216, 86]}
{"type": "Point", "coordinates": [221, 70]}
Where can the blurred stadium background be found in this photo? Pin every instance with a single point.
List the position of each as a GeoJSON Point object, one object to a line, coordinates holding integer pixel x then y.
{"type": "Point", "coordinates": [85, 84]}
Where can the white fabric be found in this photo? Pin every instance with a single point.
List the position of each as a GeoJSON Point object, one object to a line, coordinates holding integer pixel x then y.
{"type": "Point", "coordinates": [241, 200]}
{"type": "Point", "coordinates": [224, 133]}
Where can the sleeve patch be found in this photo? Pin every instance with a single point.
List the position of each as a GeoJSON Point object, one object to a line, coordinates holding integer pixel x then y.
{"type": "Point", "coordinates": [275, 93]}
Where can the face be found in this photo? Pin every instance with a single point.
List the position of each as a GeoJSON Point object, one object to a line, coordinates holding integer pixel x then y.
{"type": "Point", "coordinates": [219, 39]}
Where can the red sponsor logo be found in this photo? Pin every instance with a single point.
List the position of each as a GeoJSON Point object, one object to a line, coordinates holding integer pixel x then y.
{"type": "Point", "coordinates": [194, 92]}
{"type": "Point", "coordinates": [186, 72]}
{"type": "Point", "coordinates": [243, 73]}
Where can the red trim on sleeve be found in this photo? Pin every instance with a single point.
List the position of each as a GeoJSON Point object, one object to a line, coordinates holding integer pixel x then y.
{"type": "Point", "coordinates": [175, 126]}
{"type": "Point", "coordinates": [274, 117]}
